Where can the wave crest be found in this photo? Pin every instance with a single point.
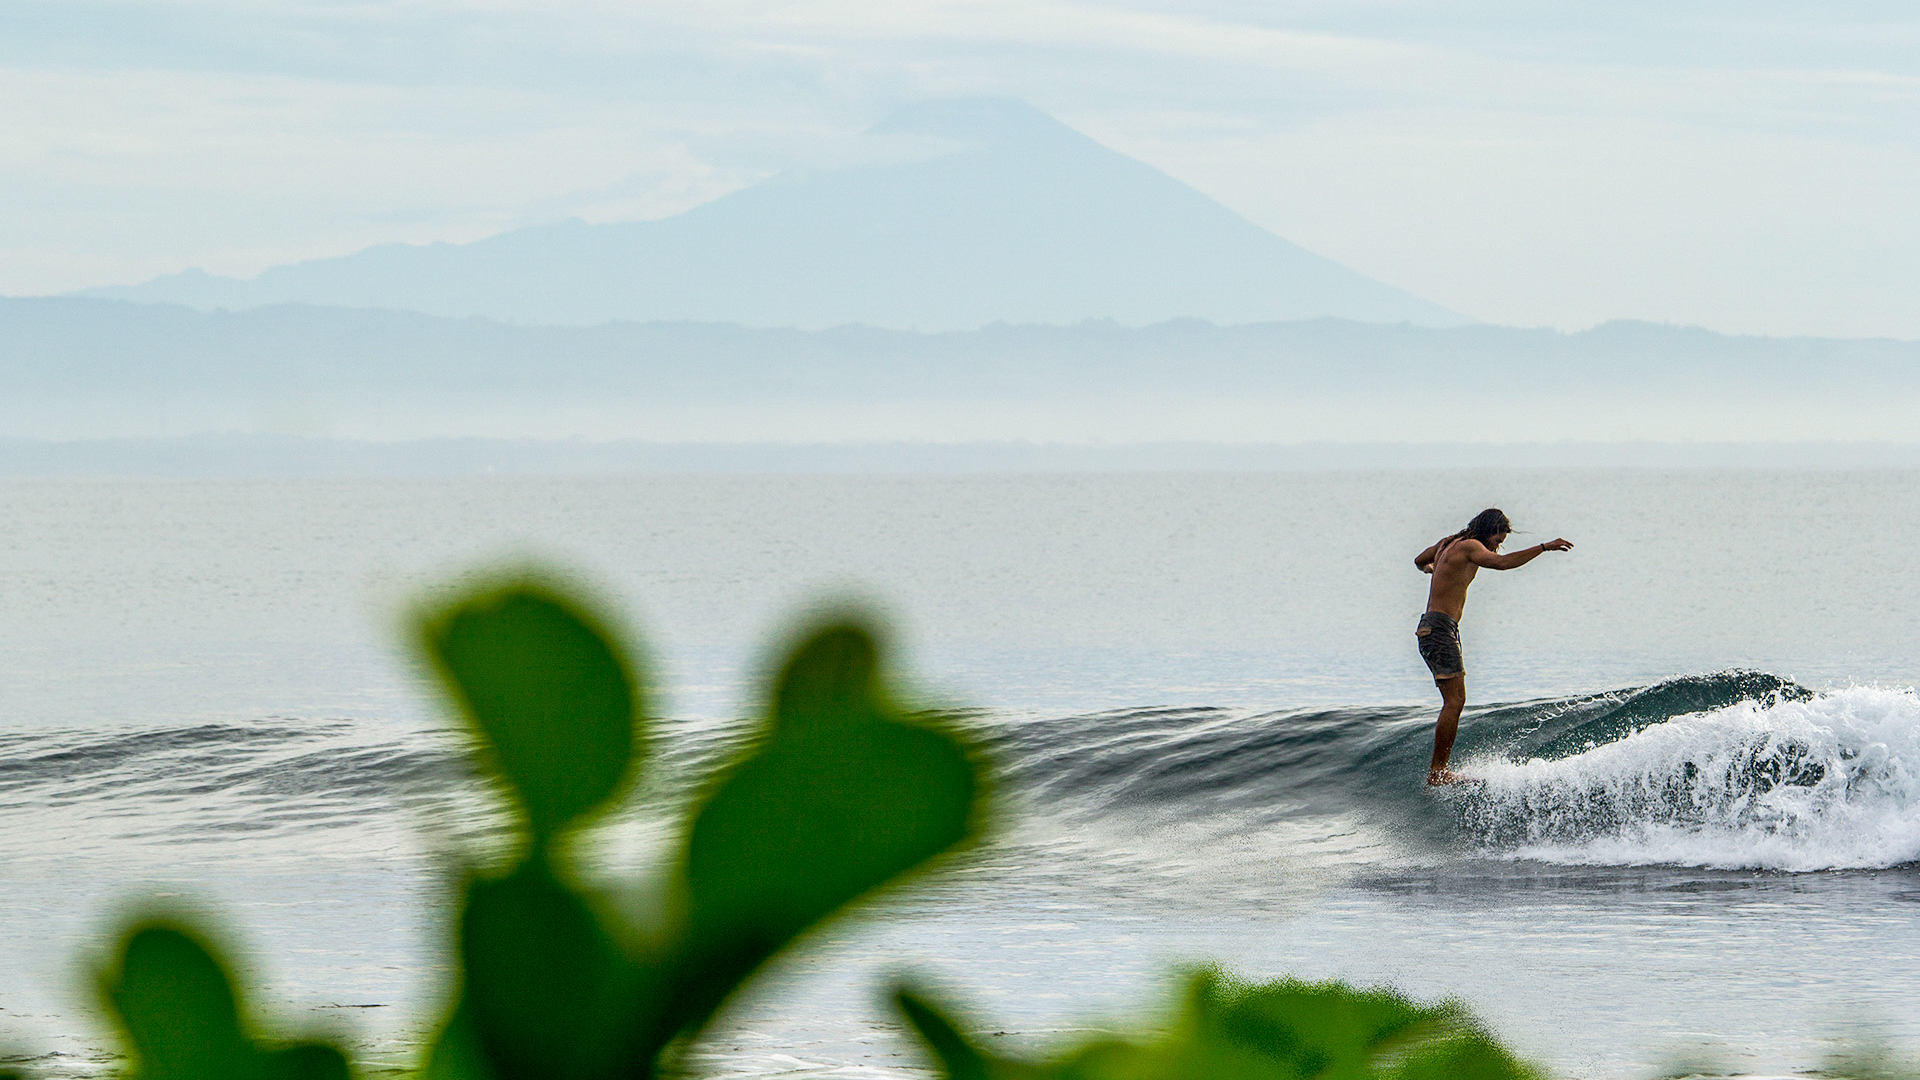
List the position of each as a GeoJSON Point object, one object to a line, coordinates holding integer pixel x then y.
{"type": "Point", "coordinates": [1790, 781]}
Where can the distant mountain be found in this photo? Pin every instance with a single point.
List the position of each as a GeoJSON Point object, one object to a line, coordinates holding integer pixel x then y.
{"type": "Point", "coordinates": [75, 368]}
{"type": "Point", "coordinates": [1010, 217]}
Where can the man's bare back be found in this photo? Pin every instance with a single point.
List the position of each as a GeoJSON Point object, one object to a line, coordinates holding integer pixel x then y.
{"type": "Point", "coordinates": [1454, 561]}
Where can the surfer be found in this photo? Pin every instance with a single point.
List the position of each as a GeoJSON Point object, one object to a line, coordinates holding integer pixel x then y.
{"type": "Point", "coordinates": [1453, 561]}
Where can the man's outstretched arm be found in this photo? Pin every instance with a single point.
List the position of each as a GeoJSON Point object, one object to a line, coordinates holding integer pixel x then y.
{"type": "Point", "coordinates": [1493, 560]}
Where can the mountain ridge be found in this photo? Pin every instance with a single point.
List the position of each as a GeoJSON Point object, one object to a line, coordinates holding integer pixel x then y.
{"type": "Point", "coordinates": [90, 368]}
{"type": "Point", "coordinates": [1004, 215]}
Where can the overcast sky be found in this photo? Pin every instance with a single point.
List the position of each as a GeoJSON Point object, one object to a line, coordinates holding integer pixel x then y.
{"type": "Point", "coordinates": [1746, 166]}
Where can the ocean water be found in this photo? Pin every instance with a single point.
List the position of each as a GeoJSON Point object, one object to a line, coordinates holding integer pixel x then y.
{"type": "Point", "coordinates": [1694, 839]}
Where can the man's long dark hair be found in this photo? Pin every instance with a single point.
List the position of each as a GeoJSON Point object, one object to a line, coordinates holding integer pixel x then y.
{"type": "Point", "coordinates": [1485, 525]}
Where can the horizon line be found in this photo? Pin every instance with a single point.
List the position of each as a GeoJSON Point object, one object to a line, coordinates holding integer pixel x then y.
{"type": "Point", "coordinates": [237, 455]}
{"type": "Point", "coordinates": [1100, 322]}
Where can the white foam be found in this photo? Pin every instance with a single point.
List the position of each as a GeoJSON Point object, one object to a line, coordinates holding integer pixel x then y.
{"type": "Point", "coordinates": [1830, 782]}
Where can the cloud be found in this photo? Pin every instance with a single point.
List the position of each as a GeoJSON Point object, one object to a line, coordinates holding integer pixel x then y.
{"type": "Point", "coordinates": [1742, 165]}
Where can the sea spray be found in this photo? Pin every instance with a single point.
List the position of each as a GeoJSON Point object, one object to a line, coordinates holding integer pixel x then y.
{"type": "Point", "coordinates": [1785, 782]}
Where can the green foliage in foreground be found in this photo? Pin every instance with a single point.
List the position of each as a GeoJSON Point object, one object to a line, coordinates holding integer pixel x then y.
{"type": "Point", "coordinates": [1229, 1030]}
{"type": "Point", "coordinates": [838, 794]}
{"type": "Point", "coordinates": [182, 1021]}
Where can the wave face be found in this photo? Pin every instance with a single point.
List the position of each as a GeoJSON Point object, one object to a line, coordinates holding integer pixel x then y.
{"type": "Point", "coordinates": [1737, 769]}
{"type": "Point", "coordinates": [283, 785]}
{"type": "Point", "coordinates": [1731, 770]}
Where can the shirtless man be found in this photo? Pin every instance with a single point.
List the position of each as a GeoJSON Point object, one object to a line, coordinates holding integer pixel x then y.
{"type": "Point", "coordinates": [1453, 561]}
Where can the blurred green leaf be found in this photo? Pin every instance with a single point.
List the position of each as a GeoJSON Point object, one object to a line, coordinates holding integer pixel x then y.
{"type": "Point", "coordinates": [555, 700]}
{"type": "Point", "coordinates": [833, 675]}
{"type": "Point", "coordinates": [455, 1053]}
{"type": "Point", "coordinates": [548, 993]}
{"type": "Point", "coordinates": [303, 1061]}
{"type": "Point", "coordinates": [1286, 1030]}
{"type": "Point", "coordinates": [957, 1057]}
{"type": "Point", "coordinates": [1314, 1030]}
{"type": "Point", "coordinates": [1470, 1055]}
{"type": "Point", "coordinates": [841, 796]}
{"type": "Point", "coordinates": [176, 1003]}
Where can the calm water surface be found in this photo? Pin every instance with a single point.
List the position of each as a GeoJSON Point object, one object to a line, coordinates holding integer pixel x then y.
{"type": "Point", "coordinates": [1695, 840]}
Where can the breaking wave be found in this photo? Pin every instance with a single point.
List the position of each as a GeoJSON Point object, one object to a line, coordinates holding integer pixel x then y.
{"type": "Point", "coordinates": [1735, 769]}
{"type": "Point", "coordinates": [1787, 781]}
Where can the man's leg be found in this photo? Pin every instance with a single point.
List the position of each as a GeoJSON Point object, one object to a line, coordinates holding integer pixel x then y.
{"type": "Point", "coordinates": [1453, 698]}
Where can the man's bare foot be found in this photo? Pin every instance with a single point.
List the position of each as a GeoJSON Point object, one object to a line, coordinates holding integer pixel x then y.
{"type": "Point", "coordinates": [1439, 777]}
